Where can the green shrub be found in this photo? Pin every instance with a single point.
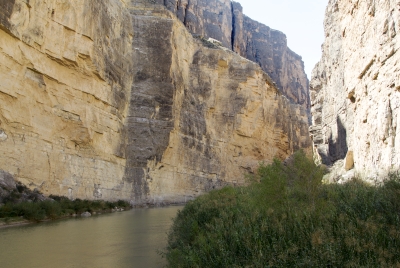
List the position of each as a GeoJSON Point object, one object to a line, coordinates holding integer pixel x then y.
{"type": "Point", "coordinates": [29, 210]}
{"type": "Point", "coordinates": [290, 219]}
{"type": "Point", "coordinates": [52, 209]}
{"type": "Point", "coordinates": [56, 208]}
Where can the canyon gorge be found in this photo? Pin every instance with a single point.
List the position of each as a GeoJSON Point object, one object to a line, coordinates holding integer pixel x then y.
{"type": "Point", "coordinates": [160, 101]}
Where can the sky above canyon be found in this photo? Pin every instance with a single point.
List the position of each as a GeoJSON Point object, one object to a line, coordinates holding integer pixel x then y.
{"type": "Point", "coordinates": [301, 21]}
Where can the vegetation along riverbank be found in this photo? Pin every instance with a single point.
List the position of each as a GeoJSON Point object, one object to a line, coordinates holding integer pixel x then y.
{"type": "Point", "coordinates": [288, 218]}
{"type": "Point", "coordinates": [20, 205]}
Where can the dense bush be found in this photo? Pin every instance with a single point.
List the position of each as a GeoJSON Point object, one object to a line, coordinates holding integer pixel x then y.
{"type": "Point", "coordinates": [288, 218]}
{"type": "Point", "coordinates": [57, 208]}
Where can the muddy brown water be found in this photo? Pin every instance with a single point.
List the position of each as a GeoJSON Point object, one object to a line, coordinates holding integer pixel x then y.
{"type": "Point", "coordinates": [123, 239]}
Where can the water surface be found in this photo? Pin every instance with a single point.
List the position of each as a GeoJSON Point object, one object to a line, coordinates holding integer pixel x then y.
{"type": "Point", "coordinates": [123, 239]}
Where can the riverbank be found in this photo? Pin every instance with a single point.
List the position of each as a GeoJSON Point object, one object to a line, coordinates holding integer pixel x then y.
{"type": "Point", "coordinates": [56, 207]}
{"type": "Point", "coordinates": [19, 221]}
{"type": "Point", "coordinates": [13, 222]}
{"type": "Point", "coordinates": [20, 205]}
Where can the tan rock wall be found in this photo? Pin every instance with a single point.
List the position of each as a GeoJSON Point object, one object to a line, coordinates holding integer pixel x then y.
{"type": "Point", "coordinates": [355, 87]}
{"type": "Point", "coordinates": [228, 118]}
{"type": "Point", "coordinates": [115, 99]}
{"type": "Point", "coordinates": [63, 95]}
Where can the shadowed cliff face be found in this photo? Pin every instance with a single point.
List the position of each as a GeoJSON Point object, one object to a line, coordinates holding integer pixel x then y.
{"type": "Point", "coordinates": [210, 18]}
{"type": "Point", "coordinates": [117, 100]}
{"type": "Point", "coordinates": [268, 47]}
{"type": "Point", "coordinates": [150, 119]}
{"type": "Point", "coordinates": [5, 13]}
{"type": "Point", "coordinates": [224, 21]}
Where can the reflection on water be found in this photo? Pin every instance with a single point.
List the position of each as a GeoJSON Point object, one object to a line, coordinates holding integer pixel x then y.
{"type": "Point", "coordinates": [128, 239]}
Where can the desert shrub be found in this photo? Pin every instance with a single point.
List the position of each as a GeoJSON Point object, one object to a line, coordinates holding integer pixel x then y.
{"type": "Point", "coordinates": [288, 218]}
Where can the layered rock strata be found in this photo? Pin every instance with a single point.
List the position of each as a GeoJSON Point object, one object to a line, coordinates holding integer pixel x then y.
{"type": "Point", "coordinates": [355, 87]}
{"type": "Point", "coordinates": [116, 100]}
{"type": "Point", "coordinates": [224, 21]}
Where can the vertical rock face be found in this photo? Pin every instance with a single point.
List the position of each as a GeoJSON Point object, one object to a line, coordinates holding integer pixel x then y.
{"type": "Point", "coordinates": [269, 49]}
{"type": "Point", "coordinates": [224, 21]}
{"type": "Point", "coordinates": [355, 87]}
{"type": "Point", "coordinates": [117, 100]}
{"type": "Point", "coordinates": [210, 18]}
{"type": "Point", "coordinates": [65, 80]}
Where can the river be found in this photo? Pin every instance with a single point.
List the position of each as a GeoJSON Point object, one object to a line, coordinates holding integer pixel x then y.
{"type": "Point", "coordinates": [122, 239]}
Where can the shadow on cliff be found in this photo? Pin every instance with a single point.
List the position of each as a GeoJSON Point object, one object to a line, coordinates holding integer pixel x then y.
{"type": "Point", "coordinates": [337, 149]}
{"type": "Point", "coordinates": [6, 10]}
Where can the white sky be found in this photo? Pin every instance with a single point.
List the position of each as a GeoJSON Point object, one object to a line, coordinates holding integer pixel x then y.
{"type": "Point", "coordinates": [300, 20]}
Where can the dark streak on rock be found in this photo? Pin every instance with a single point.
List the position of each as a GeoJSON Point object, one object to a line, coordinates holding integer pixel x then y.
{"type": "Point", "coordinates": [150, 119]}
{"type": "Point", "coordinates": [6, 9]}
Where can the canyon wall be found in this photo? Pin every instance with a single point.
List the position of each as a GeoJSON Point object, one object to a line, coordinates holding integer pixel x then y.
{"type": "Point", "coordinates": [65, 80]}
{"type": "Point", "coordinates": [224, 21]}
{"type": "Point", "coordinates": [114, 99]}
{"type": "Point", "coordinates": [355, 88]}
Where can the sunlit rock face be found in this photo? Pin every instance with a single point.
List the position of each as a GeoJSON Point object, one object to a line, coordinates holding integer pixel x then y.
{"type": "Point", "coordinates": [224, 21]}
{"type": "Point", "coordinates": [115, 99]}
{"type": "Point", "coordinates": [355, 87]}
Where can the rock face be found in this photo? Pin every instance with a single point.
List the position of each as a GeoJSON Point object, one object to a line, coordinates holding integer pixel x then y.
{"type": "Point", "coordinates": [269, 49]}
{"type": "Point", "coordinates": [65, 77]}
{"type": "Point", "coordinates": [224, 21]}
{"type": "Point", "coordinates": [355, 87]}
{"type": "Point", "coordinates": [209, 18]}
{"type": "Point", "coordinates": [116, 100]}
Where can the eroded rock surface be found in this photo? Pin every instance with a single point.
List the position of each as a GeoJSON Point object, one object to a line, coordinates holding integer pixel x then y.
{"type": "Point", "coordinates": [355, 87]}
{"type": "Point", "coordinates": [65, 80]}
{"type": "Point", "coordinates": [224, 21]}
{"type": "Point", "coordinates": [116, 100]}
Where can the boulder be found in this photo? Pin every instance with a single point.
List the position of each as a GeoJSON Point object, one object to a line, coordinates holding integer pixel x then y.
{"type": "Point", "coordinates": [7, 181]}
{"type": "Point", "coordinates": [86, 214]}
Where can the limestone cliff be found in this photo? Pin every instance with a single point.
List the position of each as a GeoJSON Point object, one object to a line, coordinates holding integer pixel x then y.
{"type": "Point", "coordinates": [224, 21]}
{"type": "Point", "coordinates": [115, 99]}
{"type": "Point", "coordinates": [355, 87]}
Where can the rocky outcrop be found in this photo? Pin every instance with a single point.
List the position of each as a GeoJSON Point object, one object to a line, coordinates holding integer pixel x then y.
{"type": "Point", "coordinates": [7, 181]}
{"type": "Point", "coordinates": [15, 192]}
{"type": "Point", "coordinates": [116, 100]}
{"type": "Point", "coordinates": [355, 87]}
{"type": "Point", "coordinates": [224, 21]}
